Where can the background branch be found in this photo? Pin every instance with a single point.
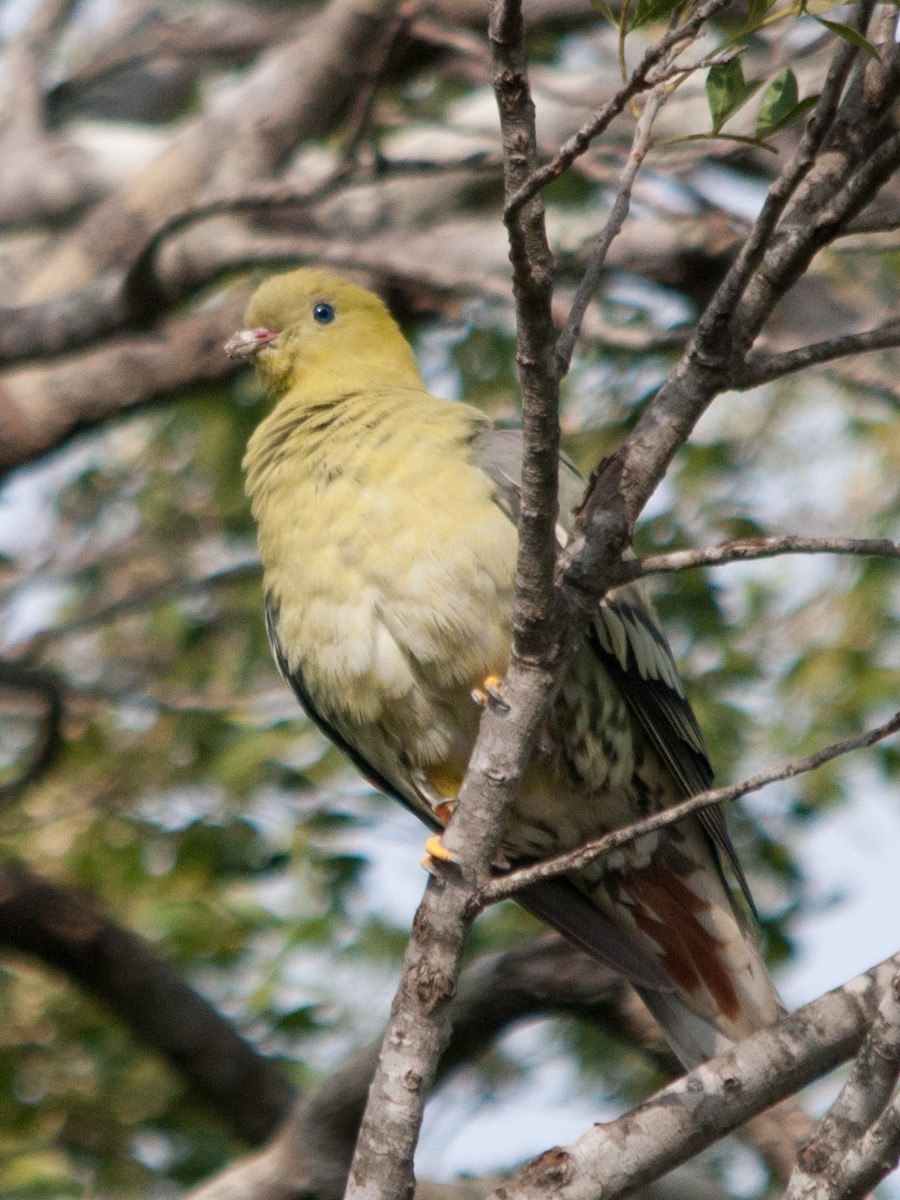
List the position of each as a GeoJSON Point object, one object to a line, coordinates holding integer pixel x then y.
{"type": "Point", "coordinates": [66, 930]}
{"type": "Point", "coordinates": [747, 549]}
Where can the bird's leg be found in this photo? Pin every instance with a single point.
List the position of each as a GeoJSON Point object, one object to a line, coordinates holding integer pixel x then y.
{"type": "Point", "coordinates": [438, 788]}
{"type": "Point", "coordinates": [435, 850]}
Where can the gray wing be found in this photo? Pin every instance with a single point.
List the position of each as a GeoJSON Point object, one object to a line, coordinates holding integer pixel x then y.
{"type": "Point", "coordinates": [627, 640]}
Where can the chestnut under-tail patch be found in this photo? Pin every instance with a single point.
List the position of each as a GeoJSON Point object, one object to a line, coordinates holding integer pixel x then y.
{"type": "Point", "coordinates": [666, 909]}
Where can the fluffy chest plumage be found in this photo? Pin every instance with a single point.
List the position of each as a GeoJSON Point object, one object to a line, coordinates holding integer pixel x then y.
{"type": "Point", "coordinates": [391, 570]}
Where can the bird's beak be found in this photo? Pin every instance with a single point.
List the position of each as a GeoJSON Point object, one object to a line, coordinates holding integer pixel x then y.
{"type": "Point", "coordinates": [247, 343]}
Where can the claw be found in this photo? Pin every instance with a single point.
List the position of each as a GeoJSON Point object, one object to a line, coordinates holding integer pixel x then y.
{"type": "Point", "coordinates": [489, 694]}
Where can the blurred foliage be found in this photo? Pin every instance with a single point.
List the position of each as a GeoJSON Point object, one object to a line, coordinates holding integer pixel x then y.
{"type": "Point", "coordinates": [196, 803]}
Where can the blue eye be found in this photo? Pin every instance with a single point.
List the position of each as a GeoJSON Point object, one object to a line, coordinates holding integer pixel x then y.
{"type": "Point", "coordinates": [323, 313]}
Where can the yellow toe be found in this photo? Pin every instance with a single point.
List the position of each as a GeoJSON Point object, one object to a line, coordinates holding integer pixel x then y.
{"type": "Point", "coordinates": [436, 851]}
{"type": "Point", "coordinates": [489, 694]}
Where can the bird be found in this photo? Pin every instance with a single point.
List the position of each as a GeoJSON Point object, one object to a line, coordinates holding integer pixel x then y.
{"type": "Point", "coordinates": [386, 522]}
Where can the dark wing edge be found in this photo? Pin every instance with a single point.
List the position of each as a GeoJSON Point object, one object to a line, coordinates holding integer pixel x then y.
{"type": "Point", "coordinates": [629, 643]}
{"type": "Point", "coordinates": [294, 677]}
{"type": "Point", "coordinates": [559, 904]}
{"type": "Point", "coordinates": [554, 901]}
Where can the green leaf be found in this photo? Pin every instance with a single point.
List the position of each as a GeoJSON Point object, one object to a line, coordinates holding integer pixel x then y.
{"type": "Point", "coordinates": [756, 11]}
{"type": "Point", "coordinates": [604, 9]}
{"type": "Point", "coordinates": [727, 91]}
{"type": "Point", "coordinates": [849, 34]}
{"type": "Point", "coordinates": [779, 100]}
{"type": "Point", "coordinates": [796, 113]}
{"type": "Point", "coordinates": [780, 106]}
{"type": "Point", "coordinates": [651, 10]}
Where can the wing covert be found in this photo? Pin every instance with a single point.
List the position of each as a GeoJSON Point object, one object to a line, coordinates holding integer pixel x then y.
{"type": "Point", "coordinates": [627, 640]}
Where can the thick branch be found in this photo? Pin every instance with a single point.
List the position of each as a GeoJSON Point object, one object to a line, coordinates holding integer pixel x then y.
{"type": "Point", "coordinates": [837, 1162]}
{"type": "Point", "coordinates": [296, 90]}
{"type": "Point", "coordinates": [612, 1160]}
{"type": "Point", "coordinates": [41, 407]}
{"type": "Point", "coordinates": [532, 267]}
{"type": "Point", "coordinates": [419, 1028]}
{"type": "Point", "coordinates": [818, 125]}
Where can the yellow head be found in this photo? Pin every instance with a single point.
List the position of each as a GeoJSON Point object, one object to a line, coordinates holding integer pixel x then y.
{"type": "Point", "coordinates": [313, 331]}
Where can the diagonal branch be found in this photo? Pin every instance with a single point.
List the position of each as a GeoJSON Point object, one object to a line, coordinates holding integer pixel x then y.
{"type": "Point", "coordinates": [818, 126]}
{"type": "Point", "coordinates": [508, 885]}
{"type": "Point", "coordinates": [762, 368]}
{"type": "Point", "coordinates": [839, 1160]}
{"type": "Point", "coordinates": [746, 549]}
{"type": "Point", "coordinates": [65, 929]}
{"type": "Point", "coordinates": [565, 344]}
{"type": "Point", "coordinates": [614, 1159]}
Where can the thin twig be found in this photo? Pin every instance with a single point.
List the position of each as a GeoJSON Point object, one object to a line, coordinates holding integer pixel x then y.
{"type": "Point", "coordinates": [565, 343]}
{"type": "Point", "coordinates": [746, 549]}
{"type": "Point", "coordinates": [507, 885]}
{"type": "Point", "coordinates": [762, 368]}
{"type": "Point", "coordinates": [46, 687]}
{"type": "Point", "coordinates": [641, 80]}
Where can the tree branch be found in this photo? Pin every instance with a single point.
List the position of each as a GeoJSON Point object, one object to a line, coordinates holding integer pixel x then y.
{"type": "Point", "coordinates": [507, 885]}
{"type": "Point", "coordinates": [65, 929]}
{"type": "Point", "coordinates": [34, 419]}
{"type": "Point", "coordinates": [310, 1154]}
{"type": "Point", "coordinates": [565, 343]}
{"type": "Point", "coordinates": [419, 1027]}
{"type": "Point", "coordinates": [295, 90]}
{"type": "Point", "coordinates": [818, 125]}
{"type": "Point", "coordinates": [641, 79]}
{"type": "Point", "coordinates": [762, 368]}
{"type": "Point", "coordinates": [613, 1159]}
{"type": "Point", "coordinates": [746, 549]}
{"type": "Point", "coordinates": [621, 487]}
{"type": "Point", "coordinates": [46, 746]}
{"type": "Point", "coordinates": [858, 1140]}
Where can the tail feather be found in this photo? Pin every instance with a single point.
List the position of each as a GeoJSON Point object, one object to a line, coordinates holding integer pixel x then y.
{"type": "Point", "coordinates": [709, 953]}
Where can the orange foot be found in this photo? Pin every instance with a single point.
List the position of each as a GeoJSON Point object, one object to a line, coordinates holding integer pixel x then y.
{"type": "Point", "coordinates": [436, 852]}
{"type": "Point", "coordinates": [489, 694]}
